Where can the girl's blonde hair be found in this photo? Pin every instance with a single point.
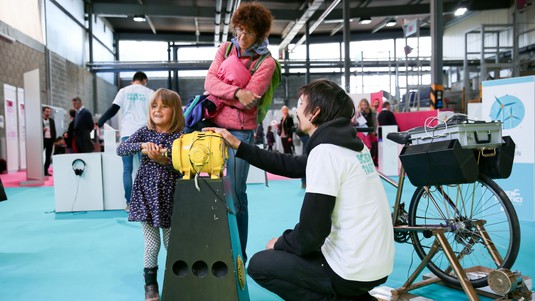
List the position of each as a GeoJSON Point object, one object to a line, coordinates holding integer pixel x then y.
{"type": "Point", "coordinates": [172, 100]}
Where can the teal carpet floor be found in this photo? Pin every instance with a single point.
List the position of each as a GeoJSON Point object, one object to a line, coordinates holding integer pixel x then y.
{"type": "Point", "coordinates": [99, 255]}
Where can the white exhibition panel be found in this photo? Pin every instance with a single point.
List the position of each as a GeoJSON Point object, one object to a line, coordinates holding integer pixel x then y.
{"type": "Point", "coordinates": [58, 114]}
{"type": "Point", "coordinates": [22, 128]}
{"type": "Point", "coordinates": [388, 152]}
{"type": "Point", "coordinates": [34, 128]}
{"type": "Point", "coordinates": [474, 110]}
{"type": "Point", "coordinates": [256, 175]}
{"type": "Point", "coordinates": [78, 193]}
{"type": "Point", "coordinates": [512, 101]}
{"type": "Point", "coordinates": [12, 136]}
{"type": "Point", "coordinates": [112, 181]}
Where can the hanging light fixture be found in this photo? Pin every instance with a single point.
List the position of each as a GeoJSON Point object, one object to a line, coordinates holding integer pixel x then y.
{"type": "Point", "coordinates": [391, 22]}
{"type": "Point", "coordinates": [365, 20]}
{"type": "Point", "coordinates": [140, 18]}
{"type": "Point", "coordinates": [461, 9]}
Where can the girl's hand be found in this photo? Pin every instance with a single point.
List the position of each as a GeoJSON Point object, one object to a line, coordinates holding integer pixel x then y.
{"type": "Point", "coordinates": [247, 98]}
{"type": "Point", "coordinates": [231, 140]}
{"type": "Point", "coordinates": [154, 153]}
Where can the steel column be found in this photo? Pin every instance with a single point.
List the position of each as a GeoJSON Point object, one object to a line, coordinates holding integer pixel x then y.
{"type": "Point", "coordinates": [347, 54]}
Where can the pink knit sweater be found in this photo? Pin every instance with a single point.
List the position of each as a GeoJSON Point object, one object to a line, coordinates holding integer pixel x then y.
{"type": "Point", "coordinates": [231, 114]}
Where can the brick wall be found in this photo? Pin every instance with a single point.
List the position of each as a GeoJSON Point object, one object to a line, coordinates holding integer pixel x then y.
{"type": "Point", "coordinates": [66, 80]}
{"type": "Point", "coordinates": [15, 60]}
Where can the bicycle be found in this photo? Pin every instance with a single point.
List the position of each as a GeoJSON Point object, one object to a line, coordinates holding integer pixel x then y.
{"type": "Point", "coordinates": [477, 220]}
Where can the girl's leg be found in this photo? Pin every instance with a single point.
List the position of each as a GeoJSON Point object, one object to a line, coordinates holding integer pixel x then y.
{"type": "Point", "coordinates": [166, 232]}
{"type": "Point", "coordinates": [152, 248]}
{"type": "Point", "coordinates": [152, 245]}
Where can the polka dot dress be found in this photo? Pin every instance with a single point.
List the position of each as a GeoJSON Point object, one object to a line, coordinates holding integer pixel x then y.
{"type": "Point", "coordinates": [154, 186]}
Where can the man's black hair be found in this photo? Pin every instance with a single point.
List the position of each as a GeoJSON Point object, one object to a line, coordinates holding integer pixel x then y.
{"type": "Point", "coordinates": [330, 98]}
{"type": "Point", "coordinates": [44, 108]}
{"type": "Point", "coordinates": [140, 76]}
{"type": "Point", "coordinates": [386, 103]}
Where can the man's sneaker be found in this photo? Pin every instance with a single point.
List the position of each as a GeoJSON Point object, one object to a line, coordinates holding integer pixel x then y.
{"type": "Point", "coordinates": [127, 209]}
{"type": "Point", "coordinates": [151, 292]}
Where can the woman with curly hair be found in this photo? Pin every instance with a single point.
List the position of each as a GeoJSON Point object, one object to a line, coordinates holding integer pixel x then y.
{"type": "Point", "coordinates": [235, 101]}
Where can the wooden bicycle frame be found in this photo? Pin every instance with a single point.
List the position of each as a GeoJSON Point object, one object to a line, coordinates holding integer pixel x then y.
{"type": "Point", "coordinates": [440, 242]}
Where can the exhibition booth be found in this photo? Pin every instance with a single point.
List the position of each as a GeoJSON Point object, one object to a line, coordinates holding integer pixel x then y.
{"type": "Point", "coordinates": [90, 181]}
{"type": "Point", "coordinates": [511, 101]}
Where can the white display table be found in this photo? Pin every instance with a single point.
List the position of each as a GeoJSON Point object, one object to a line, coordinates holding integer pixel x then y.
{"type": "Point", "coordinates": [78, 192]}
{"type": "Point", "coordinates": [388, 152]}
{"type": "Point", "coordinates": [99, 187]}
{"type": "Point", "coordinates": [112, 181]}
{"type": "Point", "coordinates": [256, 175]}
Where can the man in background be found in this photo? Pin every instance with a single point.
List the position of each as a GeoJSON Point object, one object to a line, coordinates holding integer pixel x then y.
{"type": "Point", "coordinates": [82, 127]}
{"type": "Point", "coordinates": [49, 136]}
{"type": "Point", "coordinates": [134, 102]}
{"type": "Point", "coordinates": [386, 117]}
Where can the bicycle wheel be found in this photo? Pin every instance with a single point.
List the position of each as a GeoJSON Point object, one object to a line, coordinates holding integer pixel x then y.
{"type": "Point", "coordinates": [460, 209]}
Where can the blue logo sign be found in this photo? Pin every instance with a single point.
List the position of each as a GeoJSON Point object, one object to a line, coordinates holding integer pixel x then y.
{"type": "Point", "coordinates": [509, 110]}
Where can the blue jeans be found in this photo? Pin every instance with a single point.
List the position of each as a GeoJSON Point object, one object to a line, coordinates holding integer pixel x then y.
{"type": "Point", "coordinates": [237, 171]}
{"type": "Point", "coordinates": [128, 168]}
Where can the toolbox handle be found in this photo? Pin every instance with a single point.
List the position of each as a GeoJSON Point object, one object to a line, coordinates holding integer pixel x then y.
{"type": "Point", "coordinates": [482, 141]}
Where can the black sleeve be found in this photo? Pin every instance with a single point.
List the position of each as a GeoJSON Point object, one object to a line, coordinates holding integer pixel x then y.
{"type": "Point", "coordinates": [313, 228]}
{"type": "Point", "coordinates": [88, 121]}
{"type": "Point", "coordinates": [281, 164]}
{"type": "Point", "coordinates": [291, 126]}
{"type": "Point", "coordinates": [108, 114]}
{"type": "Point", "coordinates": [53, 133]}
{"type": "Point", "coordinates": [393, 120]}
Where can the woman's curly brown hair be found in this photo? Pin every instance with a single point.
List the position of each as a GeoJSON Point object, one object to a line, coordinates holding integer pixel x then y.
{"type": "Point", "coordinates": [253, 17]}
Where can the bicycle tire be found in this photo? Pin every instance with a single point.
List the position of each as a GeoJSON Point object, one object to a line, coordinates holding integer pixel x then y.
{"type": "Point", "coordinates": [489, 201]}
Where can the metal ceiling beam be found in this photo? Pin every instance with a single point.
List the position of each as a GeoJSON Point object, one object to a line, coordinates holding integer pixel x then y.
{"type": "Point", "coordinates": [226, 22]}
{"type": "Point", "coordinates": [416, 9]}
{"type": "Point", "coordinates": [205, 38]}
{"type": "Point", "coordinates": [318, 22]}
{"type": "Point", "coordinates": [298, 64]}
{"type": "Point", "coordinates": [309, 12]}
{"type": "Point", "coordinates": [153, 10]}
{"type": "Point", "coordinates": [172, 10]}
{"type": "Point", "coordinates": [341, 25]}
{"type": "Point", "coordinates": [217, 21]}
{"type": "Point", "coordinates": [150, 24]}
{"type": "Point", "coordinates": [381, 25]}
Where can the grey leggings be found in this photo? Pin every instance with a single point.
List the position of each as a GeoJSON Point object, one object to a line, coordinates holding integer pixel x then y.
{"type": "Point", "coordinates": [152, 243]}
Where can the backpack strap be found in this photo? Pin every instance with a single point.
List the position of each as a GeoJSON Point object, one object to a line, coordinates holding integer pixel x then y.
{"type": "Point", "coordinates": [228, 49]}
{"type": "Point", "coordinates": [259, 61]}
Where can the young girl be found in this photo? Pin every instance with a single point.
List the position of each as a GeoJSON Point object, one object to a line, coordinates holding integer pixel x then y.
{"type": "Point", "coordinates": [270, 138]}
{"type": "Point", "coordinates": [153, 189]}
